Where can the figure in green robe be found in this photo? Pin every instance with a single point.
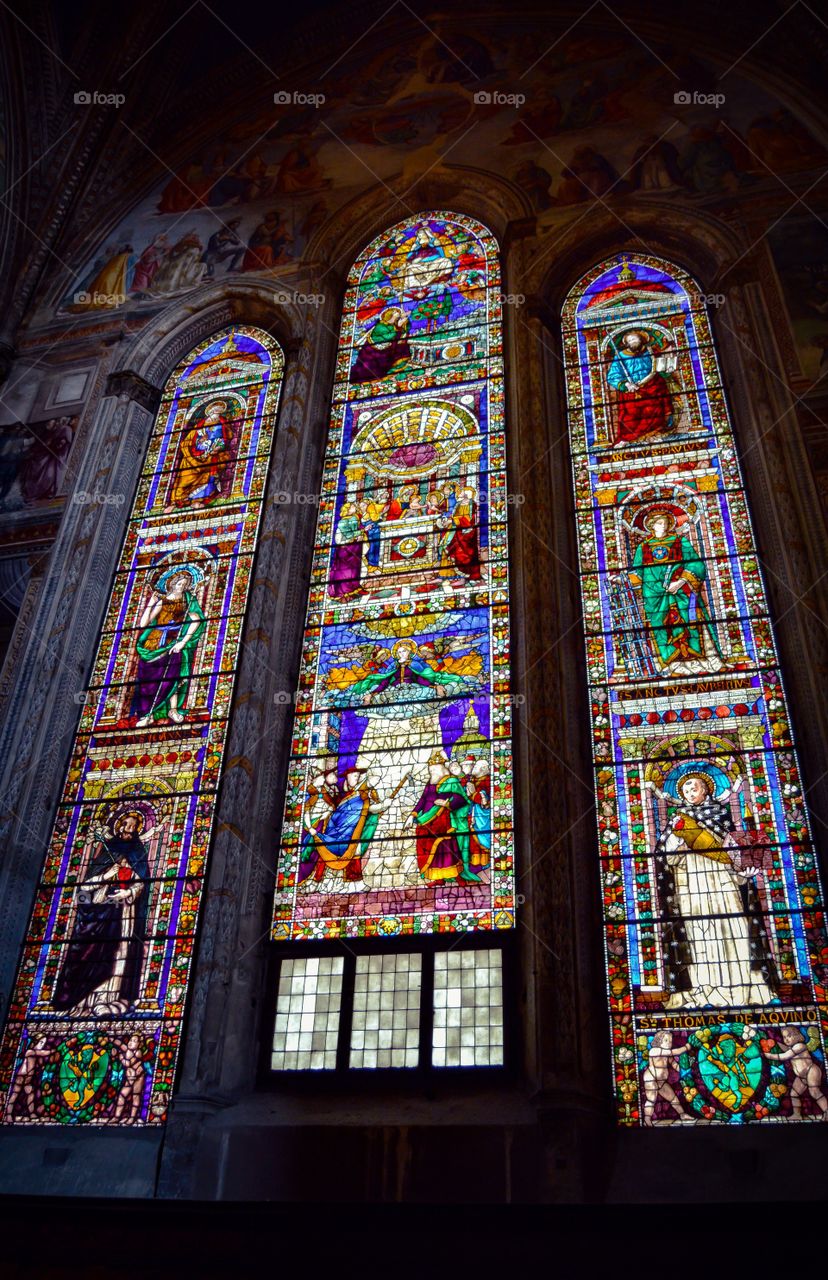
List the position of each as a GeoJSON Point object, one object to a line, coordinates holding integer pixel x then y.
{"type": "Point", "coordinates": [442, 817]}
{"type": "Point", "coordinates": [670, 575]}
{"type": "Point", "coordinates": [172, 623]}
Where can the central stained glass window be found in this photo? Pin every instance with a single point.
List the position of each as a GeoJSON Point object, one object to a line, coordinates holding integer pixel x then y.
{"type": "Point", "coordinates": [398, 815]}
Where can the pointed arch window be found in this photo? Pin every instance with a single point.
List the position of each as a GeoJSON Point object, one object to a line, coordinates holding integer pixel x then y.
{"type": "Point", "coordinates": [715, 937]}
{"type": "Point", "coordinates": [96, 1013]}
{"type": "Point", "coordinates": [398, 817]}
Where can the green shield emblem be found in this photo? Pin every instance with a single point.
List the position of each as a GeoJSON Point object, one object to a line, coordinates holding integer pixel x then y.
{"type": "Point", "coordinates": [730, 1068]}
{"type": "Point", "coordinates": [84, 1065]}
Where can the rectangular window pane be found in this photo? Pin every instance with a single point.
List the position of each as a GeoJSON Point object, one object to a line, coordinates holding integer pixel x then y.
{"type": "Point", "coordinates": [307, 1014]}
{"type": "Point", "coordinates": [386, 1020]}
{"type": "Point", "coordinates": [468, 1009]}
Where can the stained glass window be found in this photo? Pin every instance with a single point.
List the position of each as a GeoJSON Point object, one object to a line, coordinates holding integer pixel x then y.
{"type": "Point", "coordinates": [96, 1014]}
{"type": "Point", "coordinates": [715, 937]}
{"type": "Point", "coordinates": [398, 816]}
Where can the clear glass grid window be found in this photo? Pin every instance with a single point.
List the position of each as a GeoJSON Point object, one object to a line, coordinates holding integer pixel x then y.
{"type": "Point", "coordinates": [468, 1009]}
{"type": "Point", "coordinates": [385, 1031]}
{"type": "Point", "coordinates": [307, 1014]}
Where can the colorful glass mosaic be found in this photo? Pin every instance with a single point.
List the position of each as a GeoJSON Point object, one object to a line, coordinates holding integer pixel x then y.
{"type": "Point", "coordinates": [398, 815]}
{"type": "Point", "coordinates": [716, 946]}
{"type": "Point", "coordinates": [96, 1014]}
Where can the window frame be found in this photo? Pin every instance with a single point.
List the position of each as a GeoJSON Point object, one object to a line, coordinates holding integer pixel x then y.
{"type": "Point", "coordinates": [425, 1076]}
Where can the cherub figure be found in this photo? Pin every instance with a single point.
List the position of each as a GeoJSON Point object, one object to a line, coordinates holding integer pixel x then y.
{"type": "Point", "coordinates": [37, 1054]}
{"type": "Point", "coordinates": [656, 1076]}
{"type": "Point", "coordinates": [807, 1073]}
{"type": "Point", "coordinates": [128, 1105]}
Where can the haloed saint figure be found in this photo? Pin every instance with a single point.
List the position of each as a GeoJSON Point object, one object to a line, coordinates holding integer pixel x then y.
{"type": "Point", "coordinates": [715, 945]}
{"type": "Point", "coordinates": [644, 403]}
{"type": "Point", "coordinates": [203, 470]}
{"type": "Point", "coordinates": [670, 575]}
{"type": "Point", "coordinates": [172, 622]}
{"type": "Point", "coordinates": [101, 975]}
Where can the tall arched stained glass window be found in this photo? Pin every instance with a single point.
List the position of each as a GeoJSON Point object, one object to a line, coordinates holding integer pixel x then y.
{"type": "Point", "coordinates": [96, 1013]}
{"type": "Point", "coordinates": [715, 938]}
{"type": "Point", "coordinates": [398, 817]}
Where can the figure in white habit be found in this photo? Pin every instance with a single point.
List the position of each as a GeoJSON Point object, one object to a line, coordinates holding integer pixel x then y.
{"type": "Point", "coordinates": [716, 951]}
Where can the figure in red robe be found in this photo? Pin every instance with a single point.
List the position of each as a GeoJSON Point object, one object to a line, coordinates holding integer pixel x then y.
{"type": "Point", "coordinates": [644, 403]}
{"type": "Point", "coordinates": [461, 547]}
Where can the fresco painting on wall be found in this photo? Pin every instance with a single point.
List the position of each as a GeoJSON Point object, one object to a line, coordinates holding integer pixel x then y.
{"type": "Point", "coordinates": [251, 201]}
{"type": "Point", "coordinates": [716, 948]}
{"type": "Point", "coordinates": [33, 462]}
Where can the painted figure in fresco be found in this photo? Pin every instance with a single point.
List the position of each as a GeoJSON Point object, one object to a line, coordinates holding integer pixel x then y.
{"type": "Point", "coordinates": [655, 1077]}
{"type": "Point", "coordinates": [708, 163]}
{"type": "Point", "coordinates": [655, 166]}
{"type": "Point", "coordinates": [268, 244]}
{"type": "Point", "coordinates": [385, 348]}
{"type": "Point", "coordinates": [805, 1069]}
{"type": "Point", "coordinates": [535, 181]}
{"type": "Point", "coordinates": [42, 465]}
{"type": "Point", "coordinates": [172, 622]}
{"type": "Point", "coordinates": [148, 264]}
{"type": "Point", "coordinates": [186, 190]}
{"type": "Point", "coordinates": [443, 819]}
{"type": "Point", "coordinates": [205, 458]}
{"type": "Point", "coordinates": [109, 286]}
{"type": "Point", "coordinates": [224, 245]}
{"type": "Point", "coordinates": [182, 267]}
{"type": "Point", "coordinates": [338, 841]}
{"type": "Point", "coordinates": [346, 561]}
{"type": "Point", "coordinates": [300, 171]}
{"type": "Point", "coordinates": [589, 174]}
{"type": "Point", "coordinates": [670, 575]}
{"type": "Point", "coordinates": [781, 142]}
{"type": "Point", "coordinates": [101, 974]}
{"type": "Point", "coordinates": [644, 404]}
{"type": "Point", "coordinates": [715, 948]}
{"type": "Point", "coordinates": [460, 547]}
{"type": "Point", "coordinates": [541, 119]}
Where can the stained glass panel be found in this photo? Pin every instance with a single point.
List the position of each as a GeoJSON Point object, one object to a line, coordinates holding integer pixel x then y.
{"type": "Point", "coordinates": [715, 936]}
{"type": "Point", "coordinates": [398, 817]}
{"type": "Point", "coordinates": [96, 1013]}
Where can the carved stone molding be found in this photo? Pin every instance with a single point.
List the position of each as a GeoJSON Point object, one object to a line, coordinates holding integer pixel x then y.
{"type": "Point", "coordinates": [129, 385]}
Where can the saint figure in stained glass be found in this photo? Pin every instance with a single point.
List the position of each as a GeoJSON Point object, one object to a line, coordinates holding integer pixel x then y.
{"type": "Point", "coordinates": [172, 623]}
{"type": "Point", "coordinates": [643, 402]}
{"type": "Point", "coordinates": [101, 974]}
{"type": "Point", "coordinates": [717, 953]}
{"type": "Point", "coordinates": [670, 574]}
{"type": "Point", "coordinates": [203, 469]}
